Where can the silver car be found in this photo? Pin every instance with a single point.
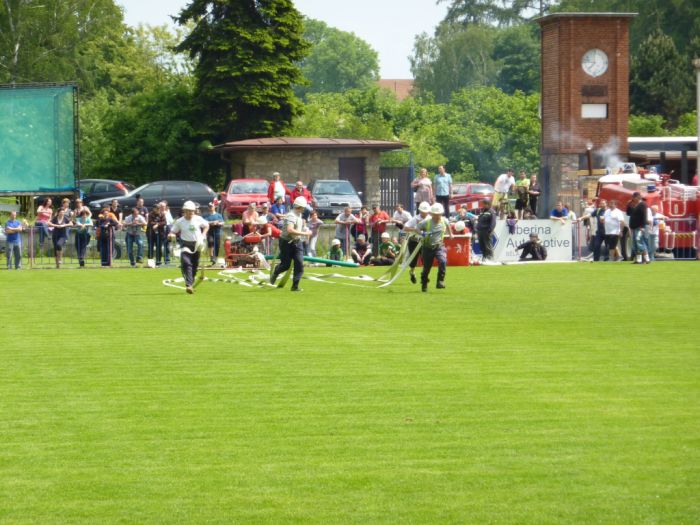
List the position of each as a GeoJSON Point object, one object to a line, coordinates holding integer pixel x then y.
{"type": "Point", "coordinates": [332, 196]}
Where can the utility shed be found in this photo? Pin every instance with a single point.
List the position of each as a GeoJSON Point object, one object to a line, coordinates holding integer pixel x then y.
{"type": "Point", "coordinates": [309, 158]}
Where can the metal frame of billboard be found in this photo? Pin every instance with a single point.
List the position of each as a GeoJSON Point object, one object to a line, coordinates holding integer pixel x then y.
{"type": "Point", "coordinates": [76, 133]}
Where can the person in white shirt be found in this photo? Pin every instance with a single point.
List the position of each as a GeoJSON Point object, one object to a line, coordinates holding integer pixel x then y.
{"type": "Point", "coordinates": [614, 221]}
{"type": "Point", "coordinates": [400, 218]}
{"type": "Point", "coordinates": [502, 187]}
{"type": "Point", "coordinates": [193, 233]}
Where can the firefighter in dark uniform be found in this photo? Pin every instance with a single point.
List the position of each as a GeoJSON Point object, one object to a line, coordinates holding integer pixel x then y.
{"type": "Point", "coordinates": [485, 225]}
{"type": "Point", "coordinates": [291, 244]}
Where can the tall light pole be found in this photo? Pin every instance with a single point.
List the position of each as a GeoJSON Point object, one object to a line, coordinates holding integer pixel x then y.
{"type": "Point", "coordinates": [696, 65]}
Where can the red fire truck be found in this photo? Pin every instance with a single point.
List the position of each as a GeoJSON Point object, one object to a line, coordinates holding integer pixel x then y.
{"type": "Point", "coordinates": [678, 235]}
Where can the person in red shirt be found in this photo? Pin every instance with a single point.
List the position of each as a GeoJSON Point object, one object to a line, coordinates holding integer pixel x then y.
{"type": "Point", "coordinates": [276, 189]}
{"type": "Point", "coordinates": [300, 191]}
{"type": "Point", "coordinates": [377, 224]}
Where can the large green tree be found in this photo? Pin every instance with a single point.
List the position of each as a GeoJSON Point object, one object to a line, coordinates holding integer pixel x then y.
{"type": "Point", "coordinates": [659, 83]}
{"type": "Point", "coordinates": [457, 57]}
{"type": "Point", "coordinates": [337, 61]}
{"type": "Point", "coordinates": [57, 40]}
{"type": "Point", "coordinates": [247, 55]}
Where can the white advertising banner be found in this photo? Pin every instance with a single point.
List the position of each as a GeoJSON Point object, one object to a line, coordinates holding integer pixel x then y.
{"type": "Point", "coordinates": [554, 235]}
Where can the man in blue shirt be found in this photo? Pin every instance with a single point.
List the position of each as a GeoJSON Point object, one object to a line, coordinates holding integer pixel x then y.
{"type": "Point", "coordinates": [559, 213]}
{"type": "Point", "coordinates": [13, 229]}
{"type": "Point", "coordinates": [443, 188]}
{"type": "Point", "coordinates": [279, 210]}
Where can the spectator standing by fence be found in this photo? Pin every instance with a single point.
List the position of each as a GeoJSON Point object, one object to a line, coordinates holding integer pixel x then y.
{"type": "Point", "coordinates": [155, 233]}
{"type": "Point", "coordinates": [216, 222]}
{"type": "Point", "coordinates": [534, 193]}
{"type": "Point", "coordinates": [43, 215]}
{"type": "Point", "coordinates": [134, 224]}
{"type": "Point", "coordinates": [13, 248]}
{"type": "Point", "coordinates": [314, 225]}
{"type": "Point", "coordinates": [377, 223]}
{"type": "Point", "coordinates": [83, 223]}
{"type": "Point", "coordinates": [343, 222]}
{"type": "Point", "coordinates": [443, 188]}
{"type": "Point", "coordinates": [106, 225]}
{"type": "Point", "coordinates": [60, 224]}
{"type": "Point", "coordinates": [423, 187]}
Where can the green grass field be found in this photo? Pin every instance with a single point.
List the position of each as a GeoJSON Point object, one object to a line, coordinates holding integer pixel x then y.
{"type": "Point", "coordinates": [558, 393]}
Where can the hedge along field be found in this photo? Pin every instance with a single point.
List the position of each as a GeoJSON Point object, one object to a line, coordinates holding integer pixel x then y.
{"type": "Point", "coordinates": [554, 393]}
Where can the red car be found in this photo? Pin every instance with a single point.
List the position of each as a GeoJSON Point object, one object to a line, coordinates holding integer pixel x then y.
{"type": "Point", "coordinates": [240, 193]}
{"type": "Point", "coordinates": [470, 193]}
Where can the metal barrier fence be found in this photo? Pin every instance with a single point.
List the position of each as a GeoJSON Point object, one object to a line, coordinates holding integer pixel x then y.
{"type": "Point", "coordinates": [37, 249]}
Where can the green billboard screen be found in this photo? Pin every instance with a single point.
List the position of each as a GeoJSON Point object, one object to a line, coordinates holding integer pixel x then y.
{"type": "Point", "coordinates": [38, 138]}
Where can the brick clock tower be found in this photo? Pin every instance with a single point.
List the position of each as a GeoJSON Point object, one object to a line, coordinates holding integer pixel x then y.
{"type": "Point", "coordinates": [585, 95]}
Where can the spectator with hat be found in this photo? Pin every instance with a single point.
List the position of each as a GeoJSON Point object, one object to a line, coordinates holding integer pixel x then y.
{"type": "Point", "coordinates": [387, 252]}
{"type": "Point", "coordinates": [336, 251]}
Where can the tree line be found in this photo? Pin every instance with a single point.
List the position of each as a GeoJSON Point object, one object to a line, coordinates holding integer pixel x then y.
{"type": "Point", "coordinates": [154, 99]}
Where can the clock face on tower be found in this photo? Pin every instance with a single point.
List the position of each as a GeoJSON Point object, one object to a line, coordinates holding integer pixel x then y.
{"type": "Point", "coordinates": [594, 62]}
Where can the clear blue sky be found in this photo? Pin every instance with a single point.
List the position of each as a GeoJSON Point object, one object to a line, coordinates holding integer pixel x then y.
{"type": "Point", "coordinates": [389, 26]}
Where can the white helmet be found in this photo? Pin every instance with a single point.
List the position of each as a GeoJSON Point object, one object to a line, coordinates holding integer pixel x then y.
{"type": "Point", "coordinates": [335, 242]}
{"type": "Point", "coordinates": [460, 226]}
{"type": "Point", "coordinates": [189, 205]}
{"type": "Point", "coordinates": [386, 235]}
{"type": "Point", "coordinates": [424, 207]}
{"type": "Point", "coordinates": [437, 208]}
{"type": "Point", "coordinates": [300, 202]}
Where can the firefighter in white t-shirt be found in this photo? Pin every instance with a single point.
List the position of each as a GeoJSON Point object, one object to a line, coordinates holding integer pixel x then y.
{"type": "Point", "coordinates": [193, 233]}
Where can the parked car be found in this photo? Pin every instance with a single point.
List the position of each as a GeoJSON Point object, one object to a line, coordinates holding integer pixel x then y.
{"type": "Point", "coordinates": [240, 193]}
{"type": "Point", "coordinates": [333, 195]}
{"type": "Point", "coordinates": [176, 192]}
{"type": "Point", "coordinates": [468, 193]}
{"type": "Point", "coordinates": [3, 240]}
{"type": "Point", "coordinates": [94, 189]}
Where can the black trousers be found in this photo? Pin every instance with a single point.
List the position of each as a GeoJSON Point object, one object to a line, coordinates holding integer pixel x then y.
{"type": "Point", "coordinates": [485, 244]}
{"type": "Point", "coordinates": [445, 201]}
{"type": "Point", "coordinates": [598, 240]}
{"type": "Point", "coordinates": [412, 243]}
{"type": "Point", "coordinates": [291, 251]}
{"type": "Point", "coordinates": [189, 262]}
{"type": "Point", "coordinates": [429, 254]}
